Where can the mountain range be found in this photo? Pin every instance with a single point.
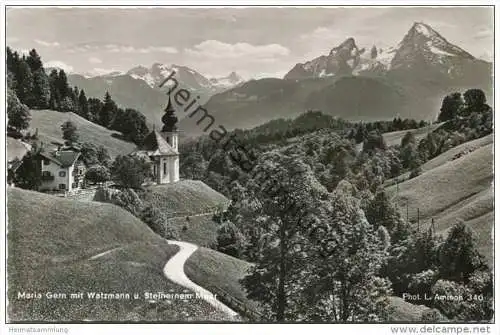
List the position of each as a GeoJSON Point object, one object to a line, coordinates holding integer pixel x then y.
{"type": "Point", "coordinates": [409, 81]}
{"type": "Point", "coordinates": [139, 88]}
{"type": "Point", "coordinates": [352, 82]}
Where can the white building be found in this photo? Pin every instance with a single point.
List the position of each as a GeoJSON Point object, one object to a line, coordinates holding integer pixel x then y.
{"type": "Point", "coordinates": [161, 149]}
{"type": "Point", "coordinates": [163, 156]}
{"type": "Point", "coordinates": [62, 170]}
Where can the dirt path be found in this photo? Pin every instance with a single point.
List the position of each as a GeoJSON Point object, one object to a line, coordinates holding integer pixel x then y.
{"type": "Point", "coordinates": [174, 271]}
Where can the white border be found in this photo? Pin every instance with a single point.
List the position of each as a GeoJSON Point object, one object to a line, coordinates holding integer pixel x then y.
{"type": "Point", "coordinates": [223, 329]}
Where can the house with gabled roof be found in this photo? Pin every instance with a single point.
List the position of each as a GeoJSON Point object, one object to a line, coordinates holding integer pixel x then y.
{"type": "Point", "coordinates": [62, 170]}
{"type": "Point", "coordinates": [161, 149]}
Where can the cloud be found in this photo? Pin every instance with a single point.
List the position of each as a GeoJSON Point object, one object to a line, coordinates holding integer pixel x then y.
{"type": "Point", "coordinates": [59, 64]}
{"type": "Point", "coordinates": [142, 50]}
{"type": "Point", "coordinates": [120, 48]}
{"type": "Point", "coordinates": [47, 44]}
{"type": "Point", "coordinates": [95, 60]}
{"type": "Point", "coordinates": [484, 33]}
{"type": "Point", "coordinates": [219, 50]}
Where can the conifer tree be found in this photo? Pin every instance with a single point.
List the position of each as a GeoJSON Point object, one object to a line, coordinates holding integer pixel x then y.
{"type": "Point", "coordinates": [34, 61]}
{"type": "Point", "coordinates": [24, 88]}
{"type": "Point", "coordinates": [108, 111]}
{"type": "Point", "coordinates": [83, 105]}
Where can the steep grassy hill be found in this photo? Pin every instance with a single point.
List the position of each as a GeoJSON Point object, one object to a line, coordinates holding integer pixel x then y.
{"type": "Point", "coordinates": [217, 271]}
{"type": "Point", "coordinates": [200, 229]}
{"type": "Point", "coordinates": [63, 246]}
{"type": "Point", "coordinates": [453, 190]}
{"type": "Point", "coordinates": [394, 137]}
{"type": "Point", "coordinates": [446, 157]}
{"type": "Point", "coordinates": [185, 198]}
{"type": "Point", "coordinates": [49, 124]}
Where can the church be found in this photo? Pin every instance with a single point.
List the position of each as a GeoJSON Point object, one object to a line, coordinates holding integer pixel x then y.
{"type": "Point", "coordinates": [161, 149]}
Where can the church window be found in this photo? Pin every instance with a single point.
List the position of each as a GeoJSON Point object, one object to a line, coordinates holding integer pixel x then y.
{"type": "Point", "coordinates": [164, 168]}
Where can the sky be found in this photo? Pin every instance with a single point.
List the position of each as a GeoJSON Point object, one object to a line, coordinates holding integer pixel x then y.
{"type": "Point", "coordinates": [254, 42]}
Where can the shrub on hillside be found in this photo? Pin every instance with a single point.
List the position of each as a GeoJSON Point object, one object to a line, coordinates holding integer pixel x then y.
{"type": "Point", "coordinates": [130, 171]}
{"type": "Point", "coordinates": [229, 239]}
{"type": "Point", "coordinates": [431, 316]}
{"type": "Point", "coordinates": [158, 222]}
{"type": "Point", "coordinates": [128, 200]}
{"type": "Point", "coordinates": [97, 174]}
{"type": "Point", "coordinates": [458, 255]}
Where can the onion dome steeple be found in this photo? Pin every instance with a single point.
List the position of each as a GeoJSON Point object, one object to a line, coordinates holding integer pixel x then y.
{"type": "Point", "coordinates": [169, 119]}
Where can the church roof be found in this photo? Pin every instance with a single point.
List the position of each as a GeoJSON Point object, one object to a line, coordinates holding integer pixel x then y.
{"type": "Point", "coordinates": [155, 145]}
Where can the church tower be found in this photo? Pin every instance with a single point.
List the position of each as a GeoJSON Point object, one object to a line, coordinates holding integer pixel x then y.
{"type": "Point", "coordinates": [169, 130]}
{"type": "Point", "coordinates": [161, 148]}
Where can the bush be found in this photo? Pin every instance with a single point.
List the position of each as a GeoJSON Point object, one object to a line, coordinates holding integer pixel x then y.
{"type": "Point", "coordinates": [432, 315]}
{"type": "Point", "coordinates": [130, 171]}
{"type": "Point", "coordinates": [97, 174]}
{"type": "Point", "coordinates": [415, 172]}
{"type": "Point", "coordinates": [229, 239]}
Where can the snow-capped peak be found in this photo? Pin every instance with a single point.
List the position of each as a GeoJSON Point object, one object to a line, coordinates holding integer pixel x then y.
{"type": "Point", "coordinates": [424, 29]}
{"type": "Point", "coordinates": [230, 81]}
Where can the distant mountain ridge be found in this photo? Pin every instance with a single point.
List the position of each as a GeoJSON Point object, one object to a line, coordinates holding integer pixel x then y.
{"type": "Point", "coordinates": [139, 88]}
{"type": "Point", "coordinates": [191, 79]}
{"type": "Point", "coordinates": [421, 44]}
{"type": "Point", "coordinates": [409, 81]}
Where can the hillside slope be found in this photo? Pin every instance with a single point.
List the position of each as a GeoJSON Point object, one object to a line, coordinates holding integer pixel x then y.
{"type": "Point", "coordinates": [49, 124]}
{"type": "Point", "coordinates": [185, 198]}
{"type": "Point", "coordinates": [458, 189]}
{"type": "Point", "coordinates": [445, 157]}
{"type": "Point", "coordinates": [63, 246]}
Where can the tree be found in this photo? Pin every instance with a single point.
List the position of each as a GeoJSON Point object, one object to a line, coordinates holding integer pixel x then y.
{"type": "Point", "coordinates": [95, 105]}
{"type": "Point", "coordinates": [97, 174]}
{"type": "Point", "coordinates": [83, 110]}
{"type": "Point", "coordinates": [381, 212]}
{"type": "Point", "coordinates": [29, 175]}
{"type": "Point", "coordinates": [451, 107]}
{"type": "Point", "coordinates": [458, 255]}
{"type": "Point", "coordinates": [55, 95]}
{"type": "Point", "coordinates": [69, 131]}
{"type": "Point", "coordinates": [24, 88]}
{"type": "Point", "coordinates": [475, 102]}
{"type": "Point", "coordinates": [373, 52]}
{"type": "Point", "coordinates": [409, 138]}
{"type": "Point", "coordinates": [411, 252]}
{"type": "Point", "coordinates": [374, 141]}
{"type": "Point", "coordinates": [61, 84]}
{"type": "Point", "coordinates": [131, 123]}
{"type": "Point", "coordinates": [343, 283]}
{"type": "Point", "coordinates": [34, 61]}
{"type": "Point", "coordinates": [108, 111]}
{"type": "Point", "coordinates": [130, 171]}
{"type": "Point", "coordinates": [229, 239]}
{"type": "Point", "coordinates": [283, 201]}
{"type": "Point", "coordinates": [18, 113]}
{"type": "Point", "coordinates": [67, 105]}
{"type": "Point", "coordinates": [41, 89]}
{"type": "Point", "coordinates": [158, 222]}
{"type": "Point", "coordinates": [103, 156]}
{"type": "Point", "coordinates": [128, 200]}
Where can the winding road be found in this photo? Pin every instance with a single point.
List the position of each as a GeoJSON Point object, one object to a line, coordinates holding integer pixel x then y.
{"type": "Point", "coordinates": [174, 271]}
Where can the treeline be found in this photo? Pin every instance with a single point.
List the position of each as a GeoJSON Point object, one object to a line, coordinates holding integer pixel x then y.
{"type": "Point", "coordinates": [29, 87]}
